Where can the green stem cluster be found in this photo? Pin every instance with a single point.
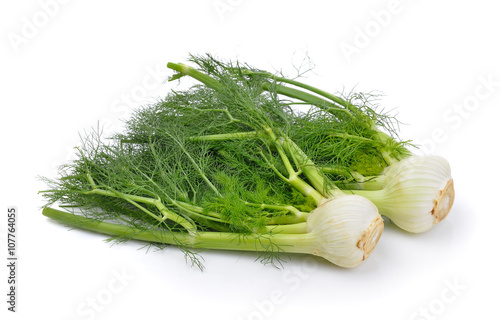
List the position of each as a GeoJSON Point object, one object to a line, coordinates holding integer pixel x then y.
{"type": "Point", "coordinates": [293, 242]}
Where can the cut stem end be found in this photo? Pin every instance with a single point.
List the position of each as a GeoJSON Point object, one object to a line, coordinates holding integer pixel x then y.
{"type": "Point", "coordinates": [443, 202]}
{"type": "Point", "coordinates": [371, 236]}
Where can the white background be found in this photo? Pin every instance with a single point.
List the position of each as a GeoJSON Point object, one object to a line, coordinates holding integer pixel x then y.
{"type": "Point", "coordinates": [65, 67]}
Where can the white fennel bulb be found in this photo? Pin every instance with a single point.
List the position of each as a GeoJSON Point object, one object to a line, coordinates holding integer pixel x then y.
{"type": "Point", "coordinates": [418, 192]}
{"type": "Point", "coordinates": [346, 228]}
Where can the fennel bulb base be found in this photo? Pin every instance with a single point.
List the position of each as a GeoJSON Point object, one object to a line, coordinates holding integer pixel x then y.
{"type": "Point", "coordinates": [347, 229]}
{"type": "Point", "coordinates": [443, 202]}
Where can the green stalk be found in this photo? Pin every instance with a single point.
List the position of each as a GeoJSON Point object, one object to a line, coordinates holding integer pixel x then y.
{"type": "Point", "coordinates": [341, 171]}
{"type": "Point", "coordinates": [195, 74]}
{"type": "Point", "coordinates": [305, 188]}
{"type": "Point", "coordinates": [311, 171]}
{"type": "Point", "coordinates": [298, 94]}
{"type": "Point", "coordinates": [325, 94]}
{"type": "Point", "coordinates": [167, 214]}
{"type": "Point", "coordinates": [295, 228]}
{"type": "Point", "coordinates": [292, 243]}
{"type": "Point", "coordinates": [368, 183]}
{"type": "Point", "coordinates": [296, 212]}
{"type": "Point", "coordinates": [285, 220]}
{"type": "Point", "coordinates": [303, 96]}
{"type": "Point", "coordinates": [210, 214]}
{"type": "Point", "coordinates": [225, 136]}
{"type": "Point", "coordinates": [207, 221]}
{"type": "Point", "coordinates": [378, 197]}
{"type": "Point", "coordinates": [199, 213]}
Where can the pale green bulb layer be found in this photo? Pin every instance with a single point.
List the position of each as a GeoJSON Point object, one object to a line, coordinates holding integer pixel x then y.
{"type": "Point", "coordinates": [347, 228]}
{"type": "Point", "coordinates": [418, 192]}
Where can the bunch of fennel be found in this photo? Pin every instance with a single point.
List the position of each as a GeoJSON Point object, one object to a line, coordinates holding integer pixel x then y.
{"type": "Point", "coordinates": [229, 165]}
